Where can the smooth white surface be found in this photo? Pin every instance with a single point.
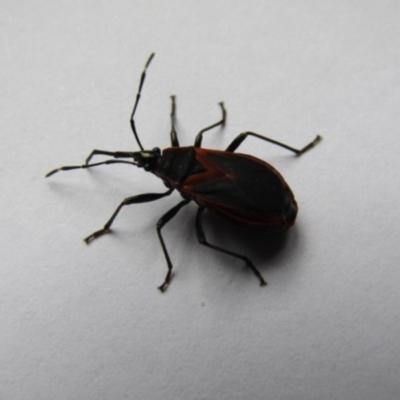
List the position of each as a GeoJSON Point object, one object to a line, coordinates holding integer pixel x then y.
{"type": "Point", "coordinates": [83, 322]}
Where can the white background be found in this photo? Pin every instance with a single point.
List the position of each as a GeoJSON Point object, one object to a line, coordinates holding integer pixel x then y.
{"type": "Point", "coordinates": [87, 322]}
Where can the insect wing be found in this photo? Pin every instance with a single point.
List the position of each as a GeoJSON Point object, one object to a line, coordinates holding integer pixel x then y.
{"type": "Point", "coordinates": [242, 189]}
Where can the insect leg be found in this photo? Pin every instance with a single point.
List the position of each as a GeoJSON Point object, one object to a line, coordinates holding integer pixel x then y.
{"type": "Point", "coordinates": [85, 166]}
{"type": "Point", "coordinates": [202, 240]}
{"type": "Point", "coordinates": [141, 198]}
{"type": "Point", "coordinates": [199, 137]}
{"type": "Point", "coordinates": [174, 136]}
{"type": "Point", "coordinates": [132, 121]}
{"type": "Point", "coordinates": [163, 220]}
{"type": "Point", "coordinates": [239, 139]}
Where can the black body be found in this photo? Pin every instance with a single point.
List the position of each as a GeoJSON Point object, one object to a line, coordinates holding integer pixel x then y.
{"type": "Point", "coordinates": [240, 188]}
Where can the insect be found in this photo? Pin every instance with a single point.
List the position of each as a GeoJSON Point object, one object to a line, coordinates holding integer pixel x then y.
{"type": "Point", "coordinates": [240, 188]}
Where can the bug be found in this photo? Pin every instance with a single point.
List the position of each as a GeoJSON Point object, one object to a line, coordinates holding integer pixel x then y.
{"type": "Point", "coordinates": [239, 188]}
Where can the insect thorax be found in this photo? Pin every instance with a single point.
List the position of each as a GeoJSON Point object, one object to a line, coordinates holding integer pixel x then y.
{"type": "Point", "coordinates": [177, 163]}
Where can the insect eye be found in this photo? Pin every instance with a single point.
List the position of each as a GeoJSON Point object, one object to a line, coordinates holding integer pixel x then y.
{"type": "Point", "coordinates": [157, 151]}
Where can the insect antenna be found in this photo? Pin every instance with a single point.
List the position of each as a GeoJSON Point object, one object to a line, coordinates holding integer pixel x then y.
{"type": "Point", "coordinates": [132, 121]}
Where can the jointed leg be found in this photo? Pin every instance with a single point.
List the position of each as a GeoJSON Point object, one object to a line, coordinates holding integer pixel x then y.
{"type": "Point", "coordinates": [174, 136]}
{"type": "Point", "coordinates": [141, 198]}
{"type": "Point", "coordinates": [163, 220]}
{"type": "Point", "coordinates": [132, 120]}
{"type": "Point", "coordinates": [238, 141]}
{"type": "Point", "coordinates": [202, 240]}
{"type": "Point", "coordinates": [199, 137]}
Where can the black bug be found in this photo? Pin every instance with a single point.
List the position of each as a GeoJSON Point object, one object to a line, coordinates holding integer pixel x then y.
{"type": "Point", "coordinates": [241, 189]}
